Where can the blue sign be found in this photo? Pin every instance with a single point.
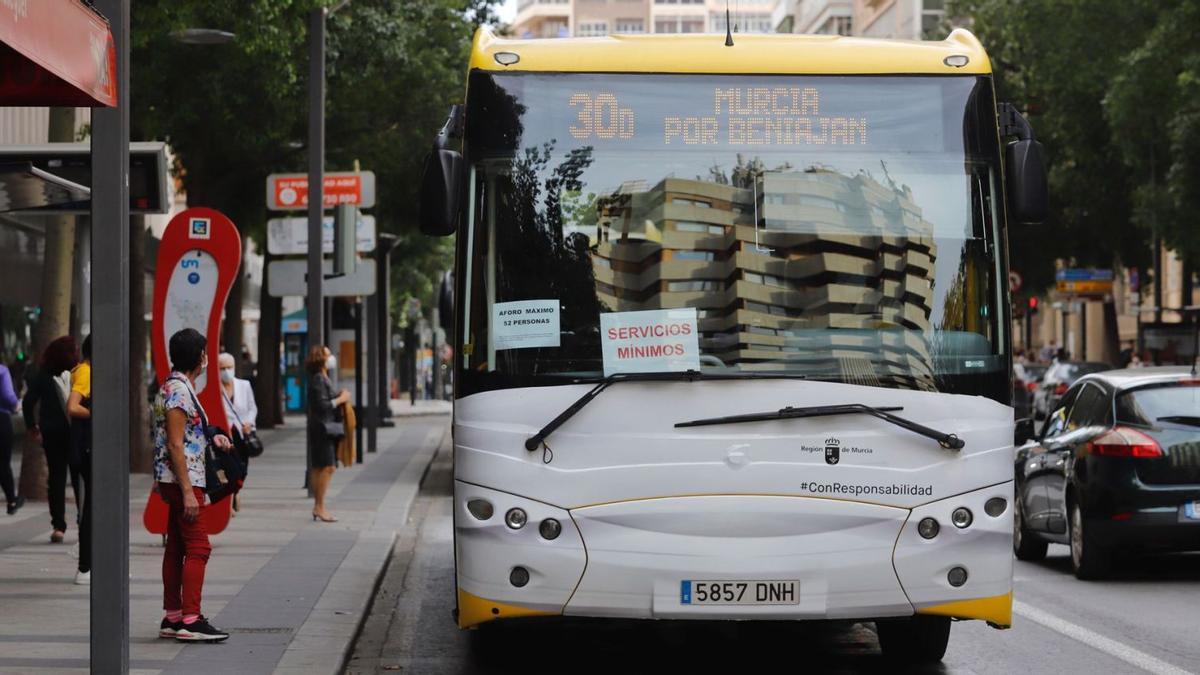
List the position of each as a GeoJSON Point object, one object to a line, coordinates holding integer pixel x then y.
{"type": "Point", "coordinates": [193, 278]}
{"type": "Point", "coordinates": [1083, 275]}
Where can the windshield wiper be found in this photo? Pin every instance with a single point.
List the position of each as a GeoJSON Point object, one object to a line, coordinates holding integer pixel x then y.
{"type": "Point", "coordinates": [535, 440]}
{"type": "Point", "coordinates": [948, 441]}
{"type": "Point", "coordinates": [1190, 420]}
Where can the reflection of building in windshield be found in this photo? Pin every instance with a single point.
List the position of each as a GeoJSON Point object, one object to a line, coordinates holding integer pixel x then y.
{"type": "Point", "coordinates": [833, 252]}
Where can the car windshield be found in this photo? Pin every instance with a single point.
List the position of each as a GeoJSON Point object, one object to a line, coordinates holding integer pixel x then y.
{"type": "Point", "coordinates": [1149, 405]}
{"type": "Point", "coordinates": [841, 228]}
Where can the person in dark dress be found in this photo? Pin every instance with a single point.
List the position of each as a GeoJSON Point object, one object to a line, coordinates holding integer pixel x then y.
{"type": "Point", "coordinates": [322, 406]}
{"type": "Point", "coordinates": [45, 411]}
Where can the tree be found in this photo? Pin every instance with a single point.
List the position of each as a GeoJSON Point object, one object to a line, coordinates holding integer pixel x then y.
{"type": "Point", "coordinates": [1048, 62]}
{"type": "Point", "coordinates": [237, 112]}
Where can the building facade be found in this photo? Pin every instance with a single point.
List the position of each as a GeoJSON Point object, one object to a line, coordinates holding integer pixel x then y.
{"type": "Point", "coordinates": [595, 18]}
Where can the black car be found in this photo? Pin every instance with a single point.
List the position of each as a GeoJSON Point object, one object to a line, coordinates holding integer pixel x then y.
{"type": "Point", "coordinates": [1115, 466]}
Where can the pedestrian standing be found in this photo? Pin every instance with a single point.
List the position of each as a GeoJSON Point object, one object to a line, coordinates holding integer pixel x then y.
{"type": "Point", "coordinates": [8, 405]}
{"type": "Point", "coordinates": [79, 411]}
{"type": "Point", "coordinates": [46, 422]}
{"type": "Point", "coordinates": [322, 426]}
{"type": "Point", "coordinates": [240, 411]}
{"type": "Point", "coordinates": [181, 442]}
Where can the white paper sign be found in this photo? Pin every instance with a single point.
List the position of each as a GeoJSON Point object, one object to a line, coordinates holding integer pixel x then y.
{"type": "Point", "coordinates": [652, 341]}
{"type": "Point", "coordinates": [525, 323]}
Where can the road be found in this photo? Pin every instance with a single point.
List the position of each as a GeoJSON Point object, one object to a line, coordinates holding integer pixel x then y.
{"type": "Point", "coordinates": [1144, 620]}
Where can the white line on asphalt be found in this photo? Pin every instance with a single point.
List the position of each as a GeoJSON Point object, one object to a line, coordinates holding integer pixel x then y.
{"type": "Point", "coordinates": [1097, 641]}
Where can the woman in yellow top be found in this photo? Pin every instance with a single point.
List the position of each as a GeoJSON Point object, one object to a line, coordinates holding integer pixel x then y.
{"type": "Point", "coordinates": [79, 410]}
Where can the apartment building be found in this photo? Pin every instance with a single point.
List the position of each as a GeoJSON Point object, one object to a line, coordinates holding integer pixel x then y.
{"type": "Point", "coordinates": [592, 18]}
{"type": "Point", "coordinates": [765, 294]}
{"type": "Point", "coordinates": [903, 19]}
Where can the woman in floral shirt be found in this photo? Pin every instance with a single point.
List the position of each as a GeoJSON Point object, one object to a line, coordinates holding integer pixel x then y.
{"type": "Point", "coordinates": [180, 445]}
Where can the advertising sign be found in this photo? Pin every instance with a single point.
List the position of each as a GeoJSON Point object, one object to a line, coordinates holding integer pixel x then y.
{"type": "Point", "coordinates": [289, 191]}
{"type": "Point", "coordinates": [651, 341]}
{"type": "Point", "coordinates": [198, 261]}
{"type": "Point", "coordinates": [1084, 281]}
{"type": "Point", "coordinates": [289, 236]}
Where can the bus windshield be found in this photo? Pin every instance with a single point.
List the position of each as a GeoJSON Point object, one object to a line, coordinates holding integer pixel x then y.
{"type": "Point", "coordinates": [841, 228]}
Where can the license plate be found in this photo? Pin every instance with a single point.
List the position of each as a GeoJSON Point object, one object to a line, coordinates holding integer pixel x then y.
{"type": "Point", "coordinates": [1191, 510]}
{"type": "Point", "coordinates": [726, 592]}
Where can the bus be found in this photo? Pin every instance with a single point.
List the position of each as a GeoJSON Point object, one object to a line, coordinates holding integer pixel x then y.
{"type": "Point", "coordinates": [732, 330]}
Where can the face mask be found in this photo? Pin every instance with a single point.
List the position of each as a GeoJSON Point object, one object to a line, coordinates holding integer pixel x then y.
{"type": "Point", "coordinates": [331, 362]}
{"type": "Point", "coordinates": [227, 375]}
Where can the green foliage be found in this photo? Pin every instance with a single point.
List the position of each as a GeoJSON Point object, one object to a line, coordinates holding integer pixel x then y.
{"type": "Point", "coordinates": [1106, 88]}
{"type": "Point", "coordinates": [237, 112]}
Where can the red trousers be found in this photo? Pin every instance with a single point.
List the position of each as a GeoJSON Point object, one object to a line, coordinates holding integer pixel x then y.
{"type": "Point", "coordinates": [186, 554]}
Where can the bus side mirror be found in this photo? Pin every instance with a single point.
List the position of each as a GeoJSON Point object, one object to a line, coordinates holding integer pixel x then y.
{"type": "Point", "coordinates": [1025, 168]}
{"type": "Point", "coordinates": [1023, 432]}
{"type": "Point", "coordinates": [1026, 181]}
{"type": "Point", "coordinates": [442, 181]}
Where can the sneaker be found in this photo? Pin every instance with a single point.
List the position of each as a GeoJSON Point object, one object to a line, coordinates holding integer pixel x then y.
{"type": "Point", "coordinates": [83, 578]}
{"type": "Point", "coordinates": [15, 505]}
{"type": "Point", "coordinates": [200, 630]}
{"type": "Point", "coordinates": [168, 628]}
{"type": "Point", "coordinates": [56, 537]}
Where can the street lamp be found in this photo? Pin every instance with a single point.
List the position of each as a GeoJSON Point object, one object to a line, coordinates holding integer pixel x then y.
{"type": "Point", "coordinates": [202, 36]}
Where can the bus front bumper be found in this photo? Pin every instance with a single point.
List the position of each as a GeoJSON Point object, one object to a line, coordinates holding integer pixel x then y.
{"type": "Point", "coordinates": [633, 559]}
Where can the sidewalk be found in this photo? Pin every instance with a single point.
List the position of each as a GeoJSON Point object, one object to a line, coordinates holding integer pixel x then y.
{"type": "Point", "coordinates": [291, 592]}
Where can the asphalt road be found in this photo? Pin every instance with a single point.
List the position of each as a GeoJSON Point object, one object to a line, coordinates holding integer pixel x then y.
{"type": "Point", "coordinates": [1146, 619]}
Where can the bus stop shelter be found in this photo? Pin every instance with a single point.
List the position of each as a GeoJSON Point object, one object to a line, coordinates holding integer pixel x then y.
{"type": "Point", "coordinates": [75, 53]}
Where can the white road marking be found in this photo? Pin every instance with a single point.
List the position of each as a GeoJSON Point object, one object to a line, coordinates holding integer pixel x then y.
{"type": "Point", "coordinates": [1097, 641]}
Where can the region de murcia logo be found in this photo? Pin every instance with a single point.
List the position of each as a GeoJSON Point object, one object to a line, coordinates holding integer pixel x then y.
{"type": "Point", "coordinates": [833, 450]}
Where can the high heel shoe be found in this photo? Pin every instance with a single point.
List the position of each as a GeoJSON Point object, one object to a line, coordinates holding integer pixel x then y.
{"type": "Point", "coordinates": [324, 519]}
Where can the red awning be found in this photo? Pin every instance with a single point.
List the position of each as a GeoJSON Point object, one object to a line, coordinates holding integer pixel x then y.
{"type": "Point", "coordinates": [55, 53]}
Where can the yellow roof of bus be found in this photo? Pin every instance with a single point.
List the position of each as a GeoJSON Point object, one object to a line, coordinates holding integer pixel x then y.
{"type": "Point", "coordinates": [751, 54]}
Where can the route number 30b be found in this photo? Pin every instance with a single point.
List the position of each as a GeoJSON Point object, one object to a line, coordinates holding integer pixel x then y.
{"type": "Point", "coordinates": [600, 116]}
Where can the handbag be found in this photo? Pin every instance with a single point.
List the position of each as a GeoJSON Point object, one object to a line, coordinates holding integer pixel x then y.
{"type": "Point", "coordinates": [223, 471]}
{"type": "Point", "coordinates": [248, 444]}
{"type": "Point", "coordinates": [334, 430]}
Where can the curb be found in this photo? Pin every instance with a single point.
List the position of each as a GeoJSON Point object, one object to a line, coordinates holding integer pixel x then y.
{"type": "Point", "coordinates": [326, 640]}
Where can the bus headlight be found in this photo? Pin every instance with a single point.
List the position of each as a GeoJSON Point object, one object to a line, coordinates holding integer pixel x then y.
{"type": "Point", "coordinates": [516, 518]}
{"type": "Point", "coordinates": [961, 517]}
{"type": "Point", "coordinates": [928, 528]}
{"type": "Point", "coordinates": [550, 529]}
{"type": "Point", "coordinates": [480, 508]}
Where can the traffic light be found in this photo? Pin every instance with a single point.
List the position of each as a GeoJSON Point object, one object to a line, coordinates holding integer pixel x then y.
{"type": "Point", "coordinates": [1033, 305]}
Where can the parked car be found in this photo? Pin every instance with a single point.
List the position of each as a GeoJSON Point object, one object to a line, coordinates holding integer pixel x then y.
{"type": "Point", "coordinates": [1058, 378]}
{"type": "Point", "coordinates": [1026, 377]}
{"type": "Point", "coordinates": [1116, 466]}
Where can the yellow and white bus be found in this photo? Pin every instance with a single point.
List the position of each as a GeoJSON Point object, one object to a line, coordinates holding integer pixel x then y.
{"type": "Point", "coordinates": [732, 330]}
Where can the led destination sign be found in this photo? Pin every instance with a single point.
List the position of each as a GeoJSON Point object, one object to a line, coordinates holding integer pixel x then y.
{"type": "Point", "coordinates": [741, 116]}
{"type": "Point", "coordinates": [745, 113]}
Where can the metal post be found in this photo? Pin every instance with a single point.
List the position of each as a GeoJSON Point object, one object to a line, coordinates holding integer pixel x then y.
{"type": "Point", "coordinates": [1083, 331]}
{"type": "Point", "coordinates": [359, 409]}
{"type": "Point", "coordinates": [383, 295]}
{"type": "Point", "coordinates": [108, 491]}
{"type": "Point", "coordinates": [316, 182]}
{"type": "Point", "coordinates": [373, 353]}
